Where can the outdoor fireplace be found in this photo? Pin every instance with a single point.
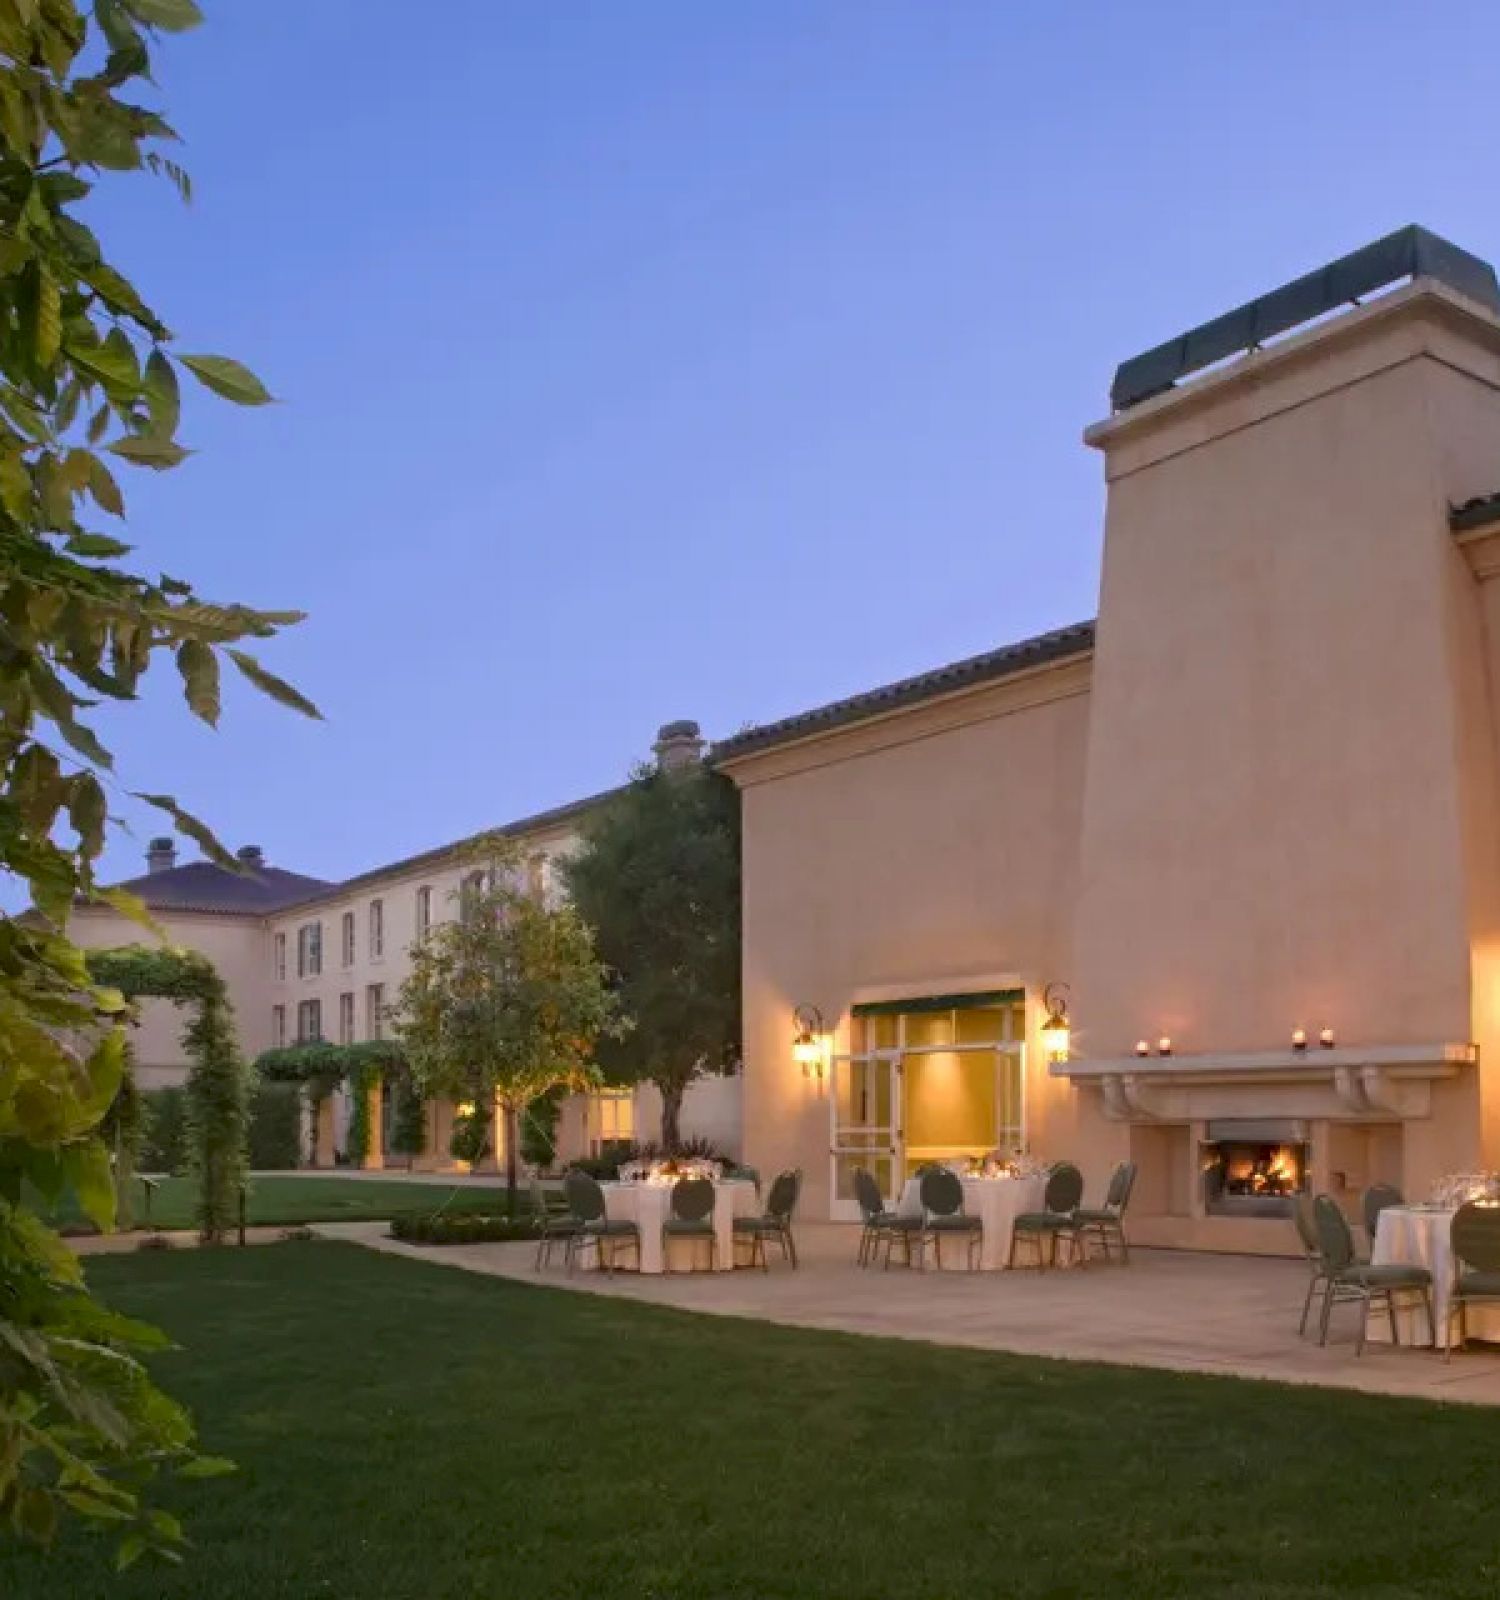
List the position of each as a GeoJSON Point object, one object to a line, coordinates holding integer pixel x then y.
{"type": "Point", "coordinates": [1253, 1168]}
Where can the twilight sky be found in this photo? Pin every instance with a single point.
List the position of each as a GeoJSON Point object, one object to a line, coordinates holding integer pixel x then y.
{"type": "Point", "coordinates": [658, 358]}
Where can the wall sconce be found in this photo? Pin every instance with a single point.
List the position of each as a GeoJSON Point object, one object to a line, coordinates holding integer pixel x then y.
{"type": "Point", "coordinates": [1299, 1038]}
{"type": "Point", "coordinates": [809, 1041]}
{"type": "Point", "coordinates": [1326, 1038]}
{"type": "Point", "coordinates": [1142, 1047]}
{"type": "Point", "coordinates": [1164, 1046]}
{"type": "Point", "coordinates": [1056, 1035]}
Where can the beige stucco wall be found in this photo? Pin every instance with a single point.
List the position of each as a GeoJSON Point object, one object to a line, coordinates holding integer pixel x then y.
{"type": "Point", "coordinates": [930, 853]}
{"type": "Point", "coordinates": [238, 948]}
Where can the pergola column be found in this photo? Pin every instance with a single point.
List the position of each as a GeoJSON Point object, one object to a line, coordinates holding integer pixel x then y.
{"type": "Point", "coordinates": [323, 1137]}
{"type": "Point", "coordinates": [374, 1157]}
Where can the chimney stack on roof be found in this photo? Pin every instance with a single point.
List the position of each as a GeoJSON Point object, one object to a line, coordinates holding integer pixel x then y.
{"type": "Point", "coordinates": [678, 745]}
{"type": "Point", "coordinates": [161, 855]}
{"type": "Point", "coordinates": [251, 855]}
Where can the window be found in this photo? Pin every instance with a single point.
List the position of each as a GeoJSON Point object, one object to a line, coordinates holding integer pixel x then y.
{"type": "Point", "coordinates": [377, 929]}
{"type": "Point", "coordinates": [611, 1116]}
{"type": "Point", "coordinates": [309, 949]}
{"type": "Point", "coordinates": [374, 1010]}
{"type": "Point", "coordinates": [469, 892]}
{"type": "Point", "coordinates": [346, 938]}
{"type": "Point", "coordinates": [424, 911]}
{"type": "Point", "coordinates": [278, 1022]}
{"type": "Point", "coordinates": [346, 1017]}
{"type": "Point", "coordinates": [309, 1020]}
{"type": "Point", "coordinates": [278, 957]}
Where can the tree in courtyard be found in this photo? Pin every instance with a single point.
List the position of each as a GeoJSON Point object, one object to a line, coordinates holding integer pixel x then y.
{"type": "Point", "coordinates": [503, 1003]}
{"type": "Point", "coordinates": [89, 380]}
{"type": "Point", "coordinates": [658, 880]}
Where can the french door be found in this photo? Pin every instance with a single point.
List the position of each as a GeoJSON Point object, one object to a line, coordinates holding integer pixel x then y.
{"type": "Point", "coordinates": [865, 1095]}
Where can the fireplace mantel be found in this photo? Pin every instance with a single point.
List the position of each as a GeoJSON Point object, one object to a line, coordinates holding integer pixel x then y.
{"type": "Point", "coordinates": [1354, 1081]}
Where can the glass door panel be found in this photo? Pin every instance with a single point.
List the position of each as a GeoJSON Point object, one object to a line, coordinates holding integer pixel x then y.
{"type": "Point", "coordinates": [866, 1132]}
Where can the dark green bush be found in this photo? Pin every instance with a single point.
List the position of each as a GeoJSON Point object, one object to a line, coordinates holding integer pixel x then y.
{"type": "Point", "coordinates": [275, 1135]}
{"type": "Point", "coordinates": [446, 1227]}
{"type": "Point", "coordinates": [164, 1147]}
{"type": "Point", "coordinates": [539, 1129]}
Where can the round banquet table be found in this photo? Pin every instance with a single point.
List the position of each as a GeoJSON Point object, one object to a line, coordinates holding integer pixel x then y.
{"type": "Point", "coordinates": [997, 1202]}
{"type": "Point", "coordinates": [648, 1205]}
{"type": "Point", "coordinates": [1420, 1236]}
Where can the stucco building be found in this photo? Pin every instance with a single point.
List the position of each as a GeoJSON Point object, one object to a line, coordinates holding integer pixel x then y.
{"type": "Point", "coordinates": [1253, 804]}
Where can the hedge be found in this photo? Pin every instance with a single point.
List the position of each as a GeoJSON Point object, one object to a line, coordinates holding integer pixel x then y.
{"type": "Point", "coordinates": [442, 1227]}
{"type": "Point", "coordinates": [274, 1133]}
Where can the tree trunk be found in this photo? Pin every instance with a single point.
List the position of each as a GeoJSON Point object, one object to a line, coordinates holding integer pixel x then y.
{"type": "Point", "coordinates": [512, 1158]}
{"type": "Point", "coordinates": [671, 1115]}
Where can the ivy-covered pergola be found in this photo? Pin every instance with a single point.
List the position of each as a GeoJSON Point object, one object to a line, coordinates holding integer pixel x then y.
{"type": "Point", "coordinates": [319, 1067]}
{"type": "Point", "coordinates": [217, 1094]}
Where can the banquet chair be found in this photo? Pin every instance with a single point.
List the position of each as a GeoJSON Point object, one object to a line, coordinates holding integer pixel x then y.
{"type": "Point", "coordinates": [1476, 1261]}
{"type": "Point", "coordinates": [1055, 1221]}
{"type": "Point", "coordinates": [943, 1214]}
{"type": "Point", "coordinates": [1107, 1222]}
{"type": "Point", "coordinates": [552, 1227]}
{"type": "Point", "coordinates": [775, 1222]}
{"type": "Point", "coordinates": [1375, 1199]}
{"type": "Point", "coordinates": [1307, 1233]}
{"type": "Point", "coordinates": [595, 1227]}
{"type": "Point", "coordinates": [881, 1226]}
{"type": "Point", "coordinates": [692, 1217]}
{"type": "Point", "coordinates": [1346, 1278]}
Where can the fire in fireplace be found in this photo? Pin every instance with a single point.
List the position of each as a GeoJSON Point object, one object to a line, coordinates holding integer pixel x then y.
{"type": "Point", "coordinates": [1253, 1168]}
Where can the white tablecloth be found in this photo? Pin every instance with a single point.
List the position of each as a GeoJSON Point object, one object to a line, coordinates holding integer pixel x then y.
{"type": "Point", "coordinates": [1421, 1237]}
{"type": "Point", "coordinates": [648, 1205]}
{"type": "Point", "coordinates": [997, 1202]}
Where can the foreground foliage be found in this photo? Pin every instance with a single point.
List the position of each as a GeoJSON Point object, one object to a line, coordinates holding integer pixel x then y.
{"type": "Point", "coordinates": [89, 383]}
{"type": "Point", "coordinates": [535, 1443]}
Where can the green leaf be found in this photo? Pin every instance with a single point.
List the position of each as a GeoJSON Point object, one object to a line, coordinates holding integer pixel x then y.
{"type": "Point", "coordinates": [98, 546]}
{"type": "Point", "coordinates": [162, 396]}
{"type": "Point", "coordinates": [207, 1467]}
{"type": "Point", "coordinates": [148, 450]}
{"type": "Point", "coordinates": [199, 667]}
{"type": "Point", "coordinates": [174, 16]}
{"type": "Point", "coordinates": [88, 1169]}
{"type": "Point", "coordinates": [46, 332]}
{"type": "Point", "coordinates": [87, 812]}
{"type": "Point", "coordinates": [132, 1548]}
{"type": "Point", "coordinates": [228, 378]}
{"type": "Point", "coordinates": [190, 827]}
{"type": "Point", "coordinates": [105, 490]}
{"type": "Point", "coordinates": [99, 424]}
{"type": "Point", "coordinates": [268, 683]}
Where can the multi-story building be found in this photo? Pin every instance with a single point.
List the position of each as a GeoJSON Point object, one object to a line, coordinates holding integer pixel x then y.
{"type": "Point", "coordinates": [305, 958]}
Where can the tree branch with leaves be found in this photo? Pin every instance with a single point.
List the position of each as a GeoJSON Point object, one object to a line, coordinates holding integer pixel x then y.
{"type": "Point", "coordinates": [89, 384]}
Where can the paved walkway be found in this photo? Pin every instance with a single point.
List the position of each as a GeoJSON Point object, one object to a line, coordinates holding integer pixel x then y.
{"type": "Point", "coordinates": [1228, 1315]}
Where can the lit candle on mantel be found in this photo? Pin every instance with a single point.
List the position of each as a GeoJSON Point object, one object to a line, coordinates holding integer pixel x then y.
{"type": "Point", "coordinates": [1164, 1046]}
{"type": "Point", "coordinates": [1326, 1038]}
{"type": "Point", "coordinates": [1299, 1038]}
{"type": "Point", "coordinates": [1142, 1048]}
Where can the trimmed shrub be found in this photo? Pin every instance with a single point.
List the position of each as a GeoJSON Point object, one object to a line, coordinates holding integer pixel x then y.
{"type": "Point", "coordinates": [164, 1147]}
{"type": "Point", "coordinates": [446, 1227]}
{"type": "Point", "coordinates": [275, 1127]}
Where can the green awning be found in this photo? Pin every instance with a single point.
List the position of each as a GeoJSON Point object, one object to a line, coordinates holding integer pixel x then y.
{"type": "Point", "coordinates": [940, 1002]}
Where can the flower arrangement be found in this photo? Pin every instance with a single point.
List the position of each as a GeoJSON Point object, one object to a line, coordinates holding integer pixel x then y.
{"type": "Point", "coordinates": [664, 1171]}
{"type": "Point", "coordinates": [997, 1164]}
{"type": "Point", "coordinates": [1454, 1189]}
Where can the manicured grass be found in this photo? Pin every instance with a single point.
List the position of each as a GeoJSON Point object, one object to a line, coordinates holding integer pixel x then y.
{"type": "Point", "coordinates": [291, 1199]}
{"type": "Point", "coordinates": [411, 1432]}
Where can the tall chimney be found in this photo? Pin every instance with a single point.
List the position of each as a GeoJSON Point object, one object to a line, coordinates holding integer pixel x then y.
{"type": "Point", "coordinates": [161, 855]}
{"type": "Point", "coordinates": [678, 745]}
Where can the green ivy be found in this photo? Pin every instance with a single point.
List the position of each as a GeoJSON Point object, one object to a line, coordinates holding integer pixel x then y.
{"type": "Point", "coordinates": [217, 1100]}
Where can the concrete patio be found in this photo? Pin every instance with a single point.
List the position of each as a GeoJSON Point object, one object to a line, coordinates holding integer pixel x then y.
{"type": "Point", "coordinates": [1233, 1316]}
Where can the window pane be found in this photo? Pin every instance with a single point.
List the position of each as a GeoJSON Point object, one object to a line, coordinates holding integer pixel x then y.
{"type": "Point", "coordinates": [981, 1025]}
{"type": "Point", "coordinates": [929, 1027]}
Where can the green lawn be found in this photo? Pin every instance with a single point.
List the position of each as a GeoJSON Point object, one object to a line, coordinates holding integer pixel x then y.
{"type": "Point", "coordinates": [289, 1199]}
{"type": "Point", "coordinates": [411, 1432]}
